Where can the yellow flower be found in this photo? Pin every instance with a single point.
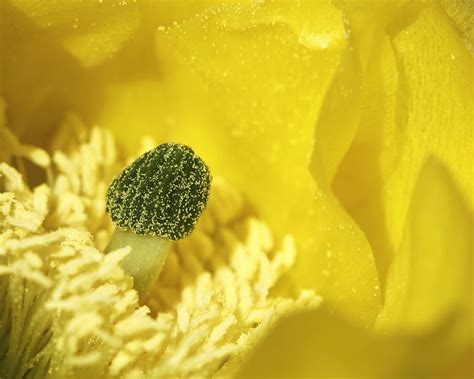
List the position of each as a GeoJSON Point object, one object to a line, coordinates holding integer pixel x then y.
{"type": "Point", "coordinates": [340, 136]}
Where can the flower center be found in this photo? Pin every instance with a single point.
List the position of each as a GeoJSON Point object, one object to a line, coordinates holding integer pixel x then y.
{"type": "Point", "coordinates": [70, 309]}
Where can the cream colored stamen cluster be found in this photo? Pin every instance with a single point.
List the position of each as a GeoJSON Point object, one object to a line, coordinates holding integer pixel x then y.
{"type": "Point", "coordinates": [69, 310]}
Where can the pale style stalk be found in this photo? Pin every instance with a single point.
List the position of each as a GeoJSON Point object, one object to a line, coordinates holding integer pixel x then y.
{"type": "Point", "coordinates": [145, 261]}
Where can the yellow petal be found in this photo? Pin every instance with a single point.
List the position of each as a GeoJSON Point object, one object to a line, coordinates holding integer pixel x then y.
{"type": "Point", "coordinates": [461, 13]}
{"type": "Point", "coordinates": [425, 328]}
{"type": "Point", "coordinates": [166, 13]}
{"type": "Point", "coordinates": [246, 85]}
{"type": "Point", "coordinates": [91, 31]}
{"type": "Point", "coordinates": [48, 52]}
{"type": "Point", "coordinates": [267, 70]}
{"type": "Point", "coordinates": [430, 280]}
{"type": "Point", "coordinates": [318, 344]}
{"type": "Point", "coordinates": [417, 100]}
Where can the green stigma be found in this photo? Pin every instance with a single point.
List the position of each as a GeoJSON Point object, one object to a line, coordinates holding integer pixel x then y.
{"type": "Point", "coordinates": [161, 193]}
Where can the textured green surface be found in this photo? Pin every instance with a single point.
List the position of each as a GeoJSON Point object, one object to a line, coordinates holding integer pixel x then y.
{"type": "Point", "coordinates": [161, 193]}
